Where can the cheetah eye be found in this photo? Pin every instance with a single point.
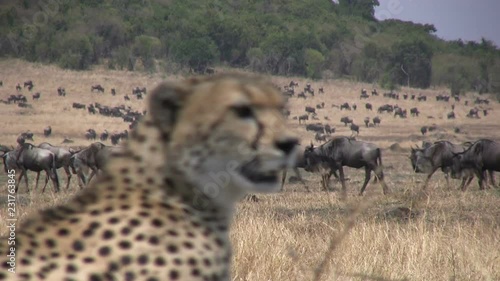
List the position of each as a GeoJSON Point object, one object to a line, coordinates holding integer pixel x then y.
{"type": "Point", "coordinates": [243, 111]}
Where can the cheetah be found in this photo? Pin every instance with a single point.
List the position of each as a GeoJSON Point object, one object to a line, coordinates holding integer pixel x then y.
{"type": "Point", "coordinates": [161, 209]}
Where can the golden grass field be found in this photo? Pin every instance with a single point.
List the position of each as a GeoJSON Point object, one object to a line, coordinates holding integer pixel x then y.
{"type": "Point", "coordinates": [296, 235]}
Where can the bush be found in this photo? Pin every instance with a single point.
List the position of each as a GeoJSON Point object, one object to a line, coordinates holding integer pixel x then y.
{"type": "Point", "coordinates": [314, 61]}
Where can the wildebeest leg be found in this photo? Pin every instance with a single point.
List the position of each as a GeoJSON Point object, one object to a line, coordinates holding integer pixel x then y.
{"type": "Point", "coordinates": [379, 174]}
{"type": "Point", "coordinates": [23, 173]}
{"type": "Point", "coordinates": [480, 178]}
{"type": "Point", "coordinates": [342, 181]}
{"type": "Point", "coordinates": [46, 180]}
{"type": "Point", "coordinates": [38, 177]}
{"type": "Point", "coordinates": [429, 177]}
{"type": "Point", "coordinates": [283, 178]}
{"type": "Point", "coordinates": [466, 182]}
{"type": "Point", "coordinates": [94, 172]}
{"type": "Point", "coordinates": [492, 179]}
{"type": "Point", "coordinates": [68, 173]}
{"type": "Point", "coordinates": [368, 172]}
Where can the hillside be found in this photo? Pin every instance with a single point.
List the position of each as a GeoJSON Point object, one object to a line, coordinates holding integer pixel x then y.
{"type": "Point", "coordinates": [311, 38]}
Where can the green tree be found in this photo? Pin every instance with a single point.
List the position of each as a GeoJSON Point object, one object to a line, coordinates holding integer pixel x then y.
{"type": "Point", "coordinates": [314, 61]}
{"type": "Point", "coordinates": [362, 8]}
{"type": "Point", "coordinates": [411, 63]}
{"type": "Point", "coordinates": [197, 53]}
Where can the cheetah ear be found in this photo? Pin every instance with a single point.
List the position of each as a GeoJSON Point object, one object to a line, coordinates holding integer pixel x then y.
{"type": "Point", "coordinates": [166, 101]}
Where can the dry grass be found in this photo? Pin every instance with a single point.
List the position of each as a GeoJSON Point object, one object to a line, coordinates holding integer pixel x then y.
{"type": "Point", "coordinates": [451, 235]}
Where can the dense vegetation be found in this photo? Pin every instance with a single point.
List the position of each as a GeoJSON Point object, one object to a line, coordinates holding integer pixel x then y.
{"type": "Point", "coordinates": [313, 38]}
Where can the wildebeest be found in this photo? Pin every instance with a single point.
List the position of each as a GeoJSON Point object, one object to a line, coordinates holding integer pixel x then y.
{"type": "Point", "coordinates": [366, 120]}
{"type": "Point", "coordinates": [354, 128]}
{"type": "Point", "coordinates": [439, 155]}
{"type": "Point", "coordinates": [126, 97]}
{"type": "Point", "coordinates": [63, 156]}
{"type": "Point", "coordinates": [422, 98]}
{"type": "Point", "coordinates": [364, 94]}
{"type": "Point", "coordinates": [36, 96]}
{"type": "Point", "coordinates": [95, 156]}
{"type": "Point", "coordinates": [481, 156]}
{"type": "Point", "coordinates": [319, 137]}
{"type": "Point", "coordinates": [18, 87]}
{"type": "Point", "coordinates": [423, 130]}
{"type": "Point", "coordinates": [318, 128]}
{"type": "Point", "coordinates": [374, 92]}
{"type": "Point", "coordinates": [344, 151]}
{"type": "Point", "coordinates": [451, 115]}
{"type": "Point", "coordinates": [29, 157]}
{"type": "Point", "coordinates": [386, 107]}
{"type": "Point", "coordinates": [345, 105]}
{"type": "Point", "coordinates": [104, 135]}
{"type": "Point", "coordinates": [376, 121]}
{"type": "Point", "coordinates": [310, 109]}
{"type": "Point", "coordinates": [473, 113]}
{"type": "Point", "coordinates": [354, 107]}
{"type": "Point", "coordinates": [402, 113]}
{"type": "Point", "coordinates": [90, 134]}
{"type": "Point", "coordinates": [28, 84]}
{"type": "Point", "coordinates": [303, 118]}
{"type": "Point", "coordinates": [414, 111]}
{"type": "Point", "coordinates": [329, 130]}
{"type": "Point", "coordinates": [28, 135]}
{"type": "Point", "coordinates": [346, 120]}
{"type": "Point", "coordinates": [47, 131]}
{"type": "Point", "coordinates": [97, 88]}
{"type": "Point", "coordinates": [368, 106]}
{"type": "Point", "coordinates": [302, 95]}
{"type": "Point", "coordinates": [61, 92]}
{"type": "Point", "coordinates": [79, 105]}
{"type": "Point", "coordinates": [113, 91]}
{"type": "Point", "coordinates": [116, 137]}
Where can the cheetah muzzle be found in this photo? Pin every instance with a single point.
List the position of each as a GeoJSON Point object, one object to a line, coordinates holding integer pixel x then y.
{"type": "Point", "coordinates": [162, 207]}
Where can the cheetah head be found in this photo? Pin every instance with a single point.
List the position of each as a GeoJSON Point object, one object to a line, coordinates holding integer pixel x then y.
{"type": "Point", "coordinates": [225, 134]}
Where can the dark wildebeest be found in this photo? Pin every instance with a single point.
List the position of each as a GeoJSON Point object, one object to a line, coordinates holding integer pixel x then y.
{"type": "Point", "coordinates": [354, 107]}
{"type": "Point", "coordinates": [302, 95]}
{"type": "Point", "coordinates": [95, 156]}
{"type": "Point", "coordinates": [346, 120]}
{"type": "Point", "coordinates": [344, 151]}
{"type": "Point", "coordinates": [126, 97]}
{"type": "Point", "coordinates": [366, 120]}
{"type": "Point", "coordinates": [36, 96]}
{"type": "Point", "coordinates": [423, 130]}
{"type": "Point", "coordinates": [63, 156]}
{"type": "Point", "coordinates": [310, 109]}
{"type": "Point", "coordinates": [345, 105]}
{"type": "Point", "coordinates": [386, 107]}
{"type": "Point", "coordinates": [355, 128]}
{"type": "Point", "coordinates": [61, 92]}
{"type": "Point", "coordinates": [414, 111]}
{"type": "Point", "coordinates": [318, 128]}
{"type": "Point", "coordinates": [90, 134]}
{"type": "Point", "coordinates": [319, 137]}
{"type": "Point", "coordinates": [481, 156]}
{"type": "Point", "coordinates": [368, 106]}
{"type": "Point", "coordinates": [402, 113]}
{"type": "Point", "coordinates": [451, 115]}
{"type": "Point", "coordinates": [47, 131]}
{"type": "Point", "coordinates": [104, 135]}
{"type": "Point", "coordinates": [29, 157]}
{"type": "Point", "coordinates": [376, 121]}
{"type": "Point", "coordinates": [28, 84]}
{"type": "Point", "coordinates": [303, 118]}
{"type": "Point", "coordinates": [439, 155]}
{"type": "Point", "coordinates": [28, 135]}
{"type": "Point", "coordinates": [97, 88]}
{"type": "Point", "coordinates": [473, 112]}
{"type": "Point", "coordinates": [113, 91]}
{"type": "Point", "coordinates": [79, 105]}
{"type": "Point", "coordinates": [329, 130]}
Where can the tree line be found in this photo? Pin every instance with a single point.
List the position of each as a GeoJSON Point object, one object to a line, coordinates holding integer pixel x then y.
{"type": "Point", "coordinates": [311, 38]}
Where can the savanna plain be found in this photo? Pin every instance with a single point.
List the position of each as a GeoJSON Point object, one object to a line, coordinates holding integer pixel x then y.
{"type": "Point", "coordinates": [440, 234]}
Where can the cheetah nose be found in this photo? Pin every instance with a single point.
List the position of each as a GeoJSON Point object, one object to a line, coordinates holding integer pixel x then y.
{"type": "Point", "coordinates": [287, 145]}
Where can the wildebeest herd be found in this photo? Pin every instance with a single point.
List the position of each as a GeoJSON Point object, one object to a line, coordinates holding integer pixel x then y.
{"type": "Point", "coordinates": [464, 161]}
